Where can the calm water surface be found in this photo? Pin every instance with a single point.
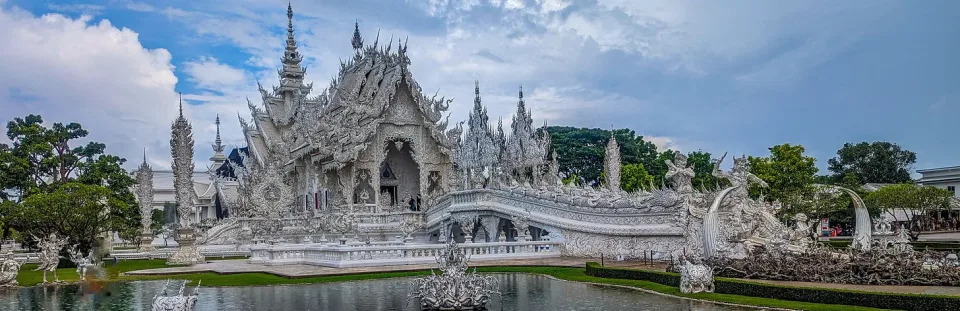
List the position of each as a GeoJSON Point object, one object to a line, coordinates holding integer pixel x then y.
{"type": "Point", "coordinates": [521, 292]}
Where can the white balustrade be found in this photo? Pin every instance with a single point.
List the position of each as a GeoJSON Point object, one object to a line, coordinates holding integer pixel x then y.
{"type": "Point", "coordinates": [377, 255]}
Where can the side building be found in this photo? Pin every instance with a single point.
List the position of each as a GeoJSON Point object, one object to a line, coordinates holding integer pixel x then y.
{"type": "Point", "coordinates": [941, 177]}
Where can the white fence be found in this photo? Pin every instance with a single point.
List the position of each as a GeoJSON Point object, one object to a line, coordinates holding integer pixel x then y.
{"type": "Point", "coordinates": [341, 256]}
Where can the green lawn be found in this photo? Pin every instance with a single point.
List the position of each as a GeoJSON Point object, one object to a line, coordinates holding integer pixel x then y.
{"type": "Point", "coordinates": [29, 278]}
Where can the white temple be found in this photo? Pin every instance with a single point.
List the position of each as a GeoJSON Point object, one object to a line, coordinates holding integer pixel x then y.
{"type": "Point", "coordinates": [367, 171]}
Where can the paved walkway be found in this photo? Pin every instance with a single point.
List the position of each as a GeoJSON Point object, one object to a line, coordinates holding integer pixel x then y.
{"type": "Point", "coordinates": [301, 271]}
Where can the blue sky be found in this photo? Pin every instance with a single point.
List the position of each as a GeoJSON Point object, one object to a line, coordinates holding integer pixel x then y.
{"type": "Point", "coordinates": [720, 76]}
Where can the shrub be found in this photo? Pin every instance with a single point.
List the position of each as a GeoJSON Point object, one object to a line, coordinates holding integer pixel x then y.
{"type": "Point", "coordinates": [805, 294]}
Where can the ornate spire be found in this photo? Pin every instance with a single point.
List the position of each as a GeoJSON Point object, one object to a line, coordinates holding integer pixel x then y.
{"type": "Point", "coordinates": [144, 190]}
{"type": "Point", "coordinates": [357, 41]}
{"type": "Point", "coordinates": [291, 76]}
{"type": "Point", "coordinates": [181, 105]}
{"type": "Point", "coordinates": [218, 158]}
{"type": "Point", "coordinates": [144, 165]}
{"type": "Point", "coordinates": [611, 163]}
{"type": "Point", "coordinates": [181, 149]}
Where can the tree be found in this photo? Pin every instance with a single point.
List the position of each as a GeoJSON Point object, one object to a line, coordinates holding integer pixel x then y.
{"type": "Point", "coordinates": [877, 162]}
{"type": "Point", "coordinates": [789, 174]}
{"type": "Point", "coordinates": [581, 151]}
{"type": "Point", "coordinates": [634, 177]}
{"type": "Point", "coordinates": [75, 210]}
{"type": "Point", "coordinates": [43, 162]}
{"type": "Point", "coordinates": [916, 202]}
{"type": "Point", "coordinates": [40, 156]}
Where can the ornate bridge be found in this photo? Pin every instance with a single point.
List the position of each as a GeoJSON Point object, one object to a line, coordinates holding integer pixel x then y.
{"type": "Point", "coordinates": [530, 214]}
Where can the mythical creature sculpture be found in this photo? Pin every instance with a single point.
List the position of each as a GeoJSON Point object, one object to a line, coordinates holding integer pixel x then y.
{"type": "Point", "coordinates": [695, 278]}
{"type": "Point", "coordinates": [50, 255]}
{"type": "Point", "coordinates": [454, 288]}
{"type": "Point", "coordinates": [902, 243]}
{"type": "Point", "coordinates": [82, 262]}
{"type": "Point", "coordinates": [802, 230]}
{"type": "Point", "coordinates": [342, 223]}
{"type": "Point", "coordinates": [9, 268]}
{"type": "Point", "coordinates": [740, 177]}
{"type": "Point", "coordinates": [680, 175]}
{"type": "Point", "coordinates": [164, 302]}
{"type": "Point", "coordinates": [521, 223]}
{"type": "Point", "coordinates": [409, 225]}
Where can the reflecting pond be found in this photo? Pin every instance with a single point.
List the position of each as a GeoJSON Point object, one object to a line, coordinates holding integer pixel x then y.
{"type": "Point", "coordinates": [521, 292]}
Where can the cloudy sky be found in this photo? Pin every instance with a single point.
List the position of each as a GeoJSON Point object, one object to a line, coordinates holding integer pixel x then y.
{"type": "Point", "coordinates": [719, 76]}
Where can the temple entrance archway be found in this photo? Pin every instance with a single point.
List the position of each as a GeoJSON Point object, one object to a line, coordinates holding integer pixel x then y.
{"type": "Point", "coordinates": [400, 174]}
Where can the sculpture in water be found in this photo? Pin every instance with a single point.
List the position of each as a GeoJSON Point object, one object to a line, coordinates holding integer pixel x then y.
{"type": "Point", "coordinates": [9, 268]}
{"type": "Point", "coordinates": [455, 288]}
{"type": "Point", "coordinates": [180, 302]}
{"type": "Point", "coordinates": [50, 255]}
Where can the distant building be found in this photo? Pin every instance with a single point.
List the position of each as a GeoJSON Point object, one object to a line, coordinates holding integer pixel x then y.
{"type": "Point", "coordinates": [214, 196]}
{"type": "Point", "coordinates": [943, 177]}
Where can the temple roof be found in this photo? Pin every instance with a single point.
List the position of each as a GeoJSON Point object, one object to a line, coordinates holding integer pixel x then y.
{"type": "Point", "coordinates": [337, 124]}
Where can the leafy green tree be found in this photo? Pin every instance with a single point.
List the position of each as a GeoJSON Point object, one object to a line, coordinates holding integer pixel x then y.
{"type": "Point", "coordinates": [79, 211]}
{"type": "Point", "coordinates": [877, 162]}
{"type": "Point", "coordinates": [634, 177]}
{"type": "Point", "coordinates": [581, 151]}
{"type": "Point", "coordinates": [42, 161]}
{"type": "Point", "coordinates": [790, 176]}
{"type": "Point", "coordinates": [918, 203]}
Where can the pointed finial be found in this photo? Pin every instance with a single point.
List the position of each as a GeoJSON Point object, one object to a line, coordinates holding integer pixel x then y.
{"type": "Point", "coordinates": [181, 104]}
{"type": "Point", "coordinates": [218, 129]}
{"type": "Point", "coordinates": [476, 87]}
{"type": "Point", "coordinates": [144, 155]}
{"type": "Point", "coordinates": [521, 92]}
{"type": "Point", "coordinates": [357, 41]}
{"type": "Point", "coordinates": [290, 14]}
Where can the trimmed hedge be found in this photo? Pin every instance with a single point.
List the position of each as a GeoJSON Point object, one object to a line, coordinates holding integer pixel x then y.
{"type": "Point", "coordinates": [805, 294]}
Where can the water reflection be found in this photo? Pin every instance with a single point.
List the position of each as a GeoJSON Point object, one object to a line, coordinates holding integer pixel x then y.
{"type": "Point", "coordinates": [521, 292]}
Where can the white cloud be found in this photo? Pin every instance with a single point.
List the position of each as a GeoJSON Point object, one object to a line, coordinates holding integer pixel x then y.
{"type": "Point", "coordinates": [208, 73]}
{"type": "Point", "coordinates": [88, 9]}
{"type": "Point", "coordinates": [140, 6]}
{"type": "Point", "coordinates": [92, 73]}
{"type": "Point", "coordinates": [663, 142]}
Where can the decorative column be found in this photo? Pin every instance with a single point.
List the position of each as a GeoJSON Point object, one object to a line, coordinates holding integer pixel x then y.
{"type": "Point", "coordinates": [145, 199]}
{"type": "Point", "coordinates": [181, 148]}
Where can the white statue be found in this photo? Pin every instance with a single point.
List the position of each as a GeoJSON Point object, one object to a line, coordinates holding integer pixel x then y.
{"type": "Point", "coordinates": [9, 268]}
{"type": "Point", "coordinates": [82, 262]}
{"type": "Point", "coordinates": [180, 302]}
{"type": "Point", "coordinates": [455, 288]}
{"type": "Point", "coordinates": [695, 278]}
{"type": "Point", "coordinates": [50, 256]}
{"type": "Point", "coordinates": [680, 175]}
{"type": "Point", "coordinates": [802, 230]}
{"type": "Point", "coordinates": [882, 226]}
